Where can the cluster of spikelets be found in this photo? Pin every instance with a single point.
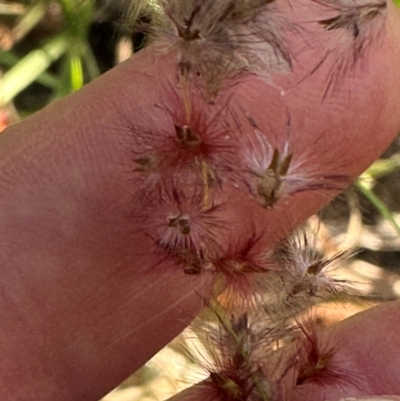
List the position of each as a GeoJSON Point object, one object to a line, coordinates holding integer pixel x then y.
{"type": "Point", "coordinates": [216, 40]}
{"type": "Point", "coordinates": [260, 342]}
{"type": "Point", "coordinates": [255, 332]}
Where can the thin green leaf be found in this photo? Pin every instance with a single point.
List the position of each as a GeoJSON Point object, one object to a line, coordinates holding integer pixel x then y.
{"type": "Point", "coordinates": [383, 167]}
{"type": "Point", "coordinates": [90, 62]}
{"type": "Point", "coordinates": [28, 20]}
{"type": "Point", "coordinates": [47, 79]}
{"type": "Point", "coordinates": [76, 73]}
{"type": "Point", "coordinates": [31, 67]}
{"type": "Point", "coordinates": [366, 190]}
{"type": "Point", "coordinates": [11, 9]}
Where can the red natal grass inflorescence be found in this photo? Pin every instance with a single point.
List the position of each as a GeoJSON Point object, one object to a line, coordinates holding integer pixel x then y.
{"type": "Point", "coordinates": [211, 151]}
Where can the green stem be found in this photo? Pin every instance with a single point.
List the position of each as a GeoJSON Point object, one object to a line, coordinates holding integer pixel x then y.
{"type": "Point", "coordinates": [31, 67]}
{"type": "Point", "coordinates": [29, 20]}
{"type": "Point", "coordinates": [76, 73]}
{"type": "Point", "coordinates": [383, 167]}
{"type": "Point", "coordinates": [380, 206]}
{"type": "Point", "coordinates": [46, 79]}
{"type": "Point", "coordinates": [11, 9]}
{"type": "Point", "coordinates": [90, 62]}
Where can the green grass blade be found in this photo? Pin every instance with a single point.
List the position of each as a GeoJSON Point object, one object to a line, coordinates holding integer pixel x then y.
{"type": "Point", "coordinates": [383, 167]}
{"type": "Point", "coordinates": [47, 79]}
{"type": "Point", "coordinates": [29, 20]}
{"type": "Point", "coordinates": [90, 62]}
{"type": "Point", "coordinates": [30, 67]}
{"type": "Point", "coordinates": [11, 9]}
{"type": "Point", "coordinates": [76, 73]}
{"type": "Point", "coordinates": [365, 189]}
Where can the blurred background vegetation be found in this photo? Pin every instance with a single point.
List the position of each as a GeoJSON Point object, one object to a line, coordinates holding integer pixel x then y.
{"type": "Point", "coordinates": [51, 48]}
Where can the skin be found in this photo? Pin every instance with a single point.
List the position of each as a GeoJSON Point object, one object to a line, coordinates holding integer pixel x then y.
{"type": "Point", "coordinates": [375, 371]}
{"type": "Point", "coordinates": [86, 297]}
